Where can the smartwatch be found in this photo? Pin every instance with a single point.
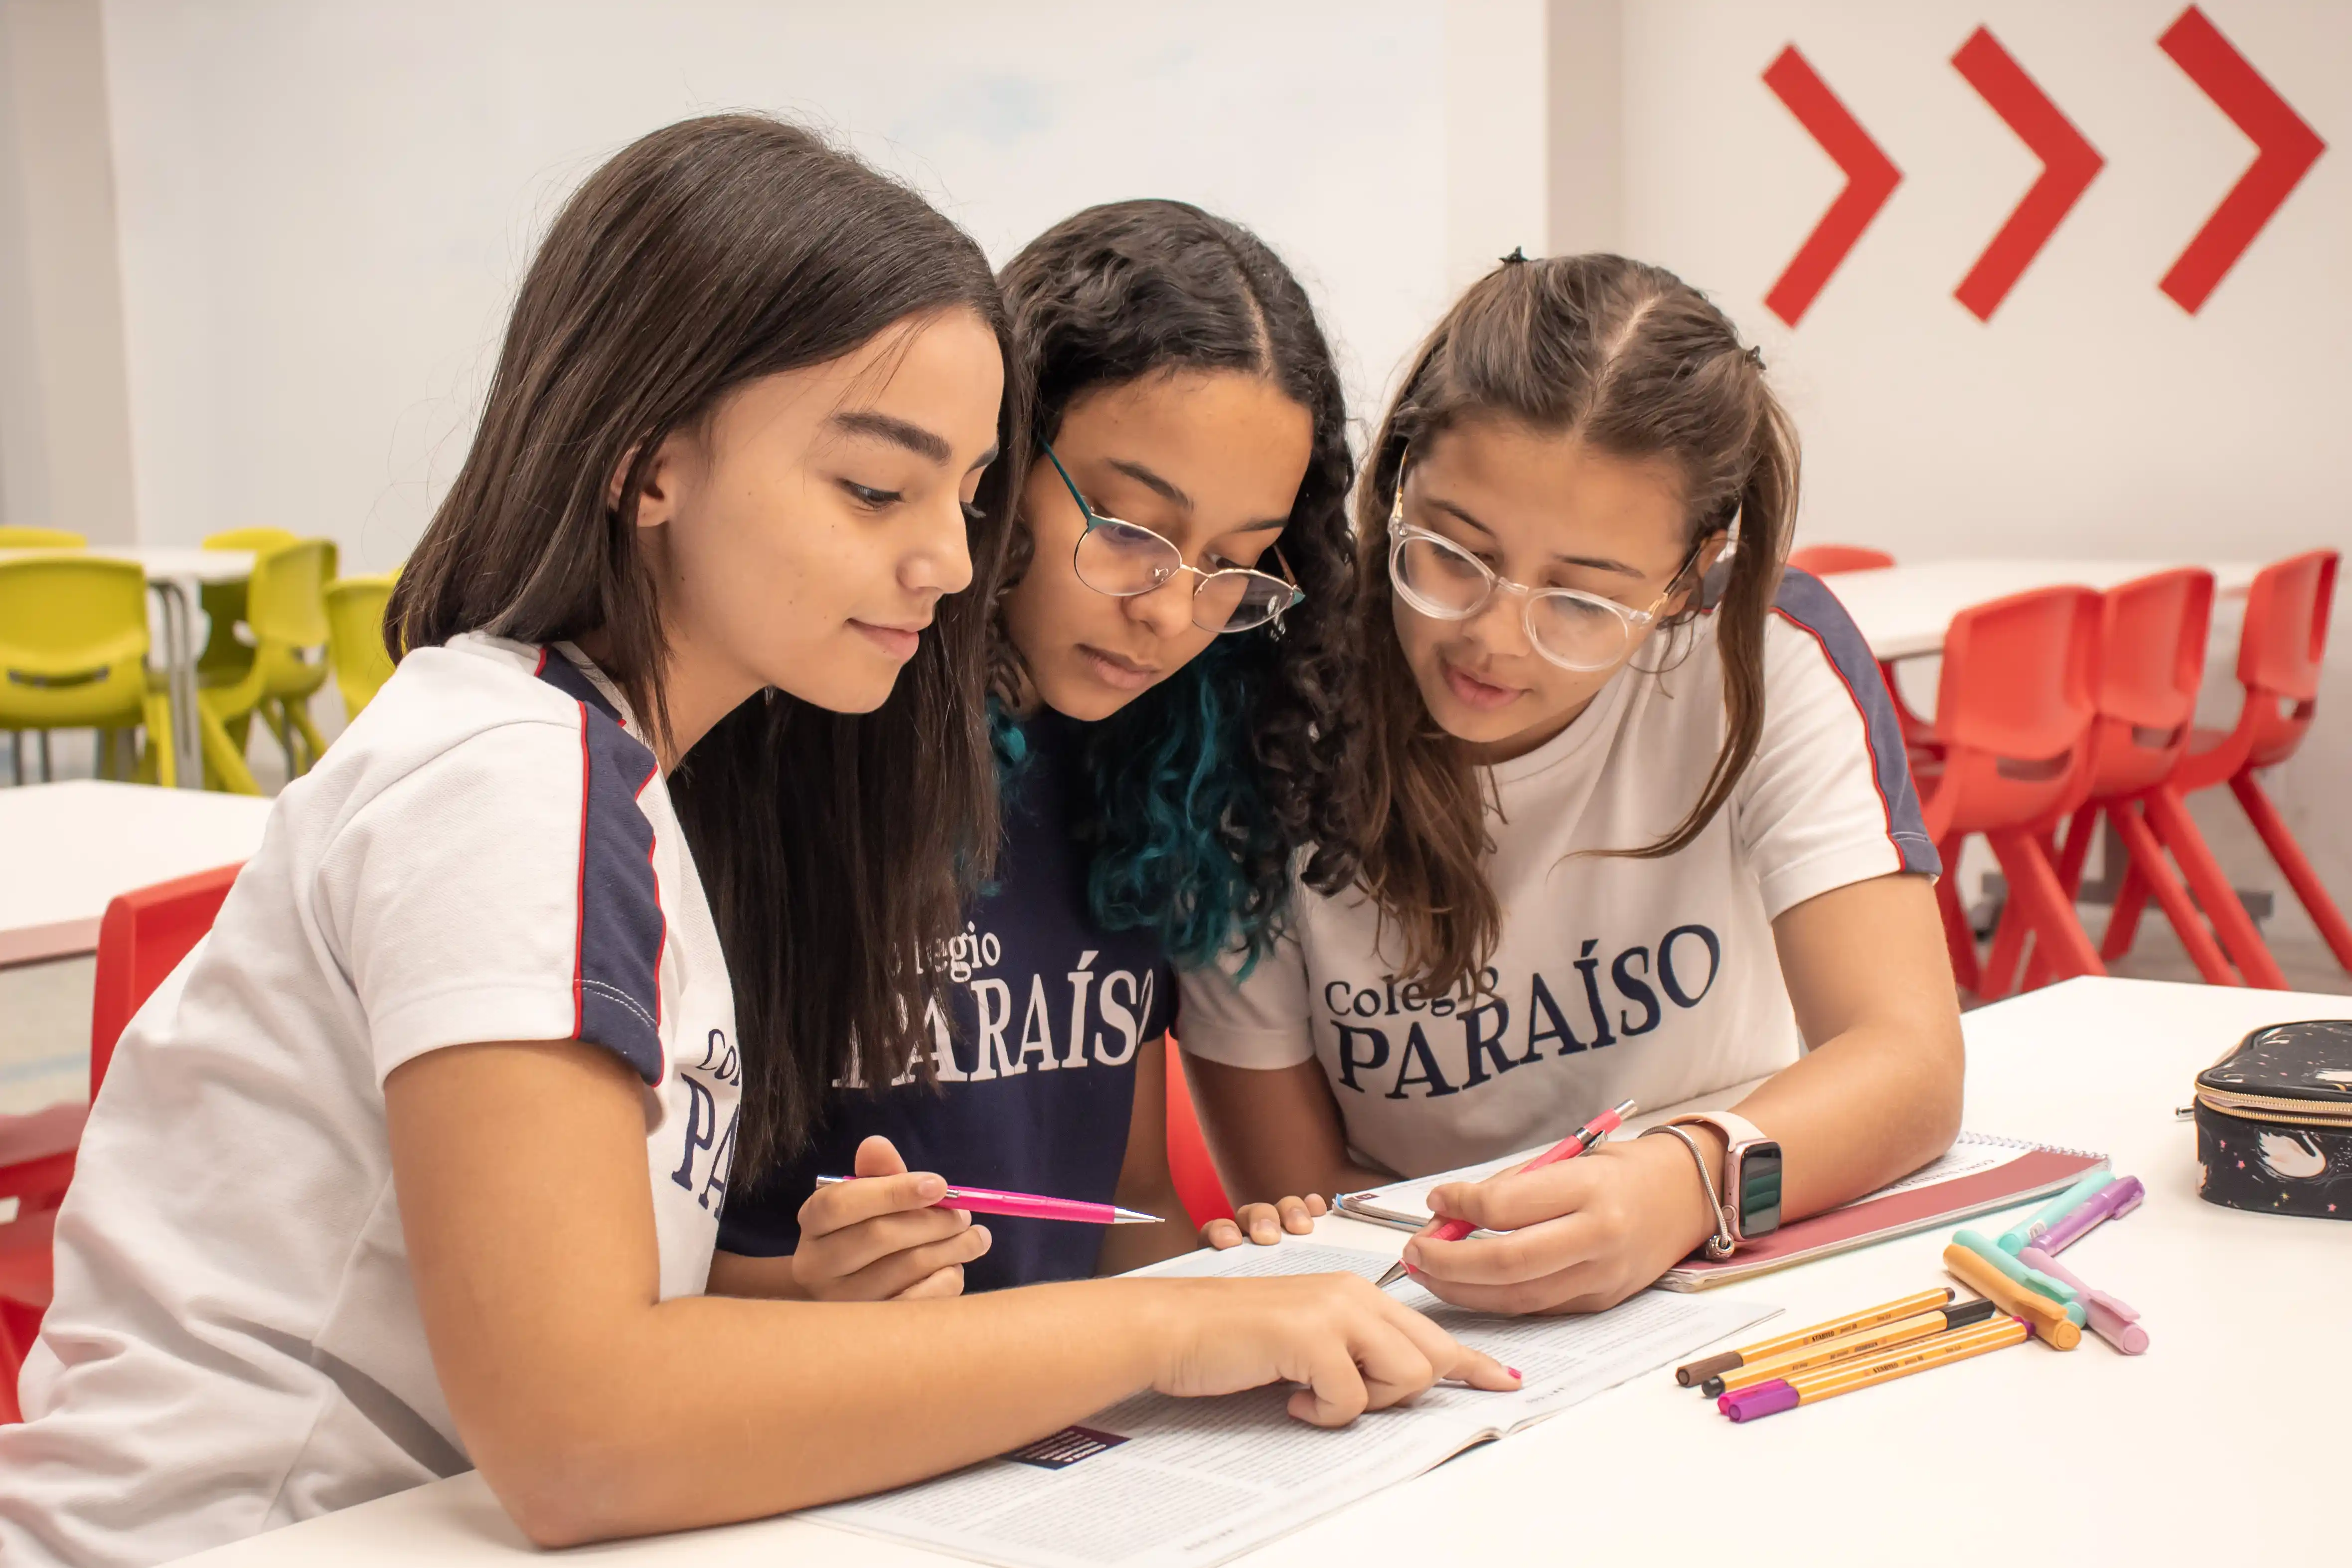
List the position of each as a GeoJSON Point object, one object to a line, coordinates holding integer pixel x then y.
{"type": "Point", "coordinates": [1749, 1193]}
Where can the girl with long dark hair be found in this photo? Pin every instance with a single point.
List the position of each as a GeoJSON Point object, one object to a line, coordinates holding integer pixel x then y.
{"type": "Point", "coordinates": [417, 1161]}
{"type": "Point", "coordinates": [1612, 843]}
{"type": "Point", "coordinates": [1172, 701]}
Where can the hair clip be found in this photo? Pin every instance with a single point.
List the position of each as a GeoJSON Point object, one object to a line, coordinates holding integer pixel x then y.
{"type": "Point", "coordinates": [1754, 356]}
{"type": "Point", "coordinates": [1518, 253]}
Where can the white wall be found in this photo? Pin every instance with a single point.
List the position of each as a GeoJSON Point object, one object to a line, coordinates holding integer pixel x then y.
{"type": "Point", "coordinates": [2091, 416]}
{"type": "Point", "coordinates": [64, 442]}
{"type": "Point", "coordinates": [325, 208]}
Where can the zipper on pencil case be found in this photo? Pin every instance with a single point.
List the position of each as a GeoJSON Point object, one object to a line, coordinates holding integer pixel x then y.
{"type": "Point", "coordinates": [2305, 1112]}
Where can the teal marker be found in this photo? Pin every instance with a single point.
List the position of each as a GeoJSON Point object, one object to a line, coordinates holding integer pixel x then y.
{"type": "Point", "coordinates": [2033, 1280]}
{"type": "Point", "coordinates": [2024, 1234]}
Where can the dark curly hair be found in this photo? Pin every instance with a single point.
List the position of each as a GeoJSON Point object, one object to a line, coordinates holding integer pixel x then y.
{"type": "Point", "coordinates": [1208, 785]}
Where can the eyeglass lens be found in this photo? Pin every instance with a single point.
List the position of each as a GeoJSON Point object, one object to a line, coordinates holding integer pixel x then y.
{"type": "Point", "coordinates": [1124, 560]}
{"type": "Point", "coordinates": [1573, 630]}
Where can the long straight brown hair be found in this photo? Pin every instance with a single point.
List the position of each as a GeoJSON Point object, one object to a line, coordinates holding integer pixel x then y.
{"type": "Point", "coordinates": [1634, 362]}
{"type": "Point", "coordinates": [835, 851]}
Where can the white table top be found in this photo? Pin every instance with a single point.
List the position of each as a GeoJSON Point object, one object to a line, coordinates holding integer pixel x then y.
{"type": "Point", "coordinates": [2223, 1436]}
{"type": "Point", "coordinates": [66, 849]}
{"type": "Point", "coordinates": [1904, 611]}
{"type": "Point", "coordinates": [168, 562]}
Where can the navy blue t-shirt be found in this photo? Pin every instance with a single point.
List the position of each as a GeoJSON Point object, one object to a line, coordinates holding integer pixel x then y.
{"type": "Point", "coordinates": [1037, 1086]}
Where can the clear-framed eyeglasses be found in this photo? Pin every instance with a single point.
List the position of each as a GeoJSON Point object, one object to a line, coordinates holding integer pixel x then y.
{"type": "Point", "coordinates": [1127, 559]}
{"type": "Point", "coordinates": [1575, 630]}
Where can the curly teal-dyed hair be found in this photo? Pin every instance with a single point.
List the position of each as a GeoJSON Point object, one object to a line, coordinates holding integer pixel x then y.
{"type": "Point", "coordinates": [1184, 843]}
{"type": "Point", "coordinates": [1211, 785]}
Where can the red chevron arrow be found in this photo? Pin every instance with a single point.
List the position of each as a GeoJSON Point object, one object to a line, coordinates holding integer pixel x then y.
{"type": "Point", "coordinates": [1870, 178]}
{"type": "Point", "coordinates": [2285, 149]}
{"type": "Point", "coordinates": [2068, 165]}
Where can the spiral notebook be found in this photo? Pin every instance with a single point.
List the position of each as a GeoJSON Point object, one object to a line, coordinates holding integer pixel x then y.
{"type": "Point", "coordinates": [1979, 1175]}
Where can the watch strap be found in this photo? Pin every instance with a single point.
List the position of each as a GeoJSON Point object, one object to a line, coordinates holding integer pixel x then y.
{"type": "Point", "coordinates": [1735, 1128]}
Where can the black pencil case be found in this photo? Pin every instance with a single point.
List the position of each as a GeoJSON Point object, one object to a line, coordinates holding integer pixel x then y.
{"type": "Point", "coordinates": [2274, 1122]}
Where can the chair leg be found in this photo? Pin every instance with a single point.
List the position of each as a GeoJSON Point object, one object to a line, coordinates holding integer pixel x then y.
{"type": "Point", "coordinates": [47, 777]}
{"type": "Point", "coordinates": [1957, 938]}
{"type": "Point", "coordinates": [2292, 861]}
{"type": "Point", "coordinates": [2150, 865]}
{"type": "Point", "coordinates": [2009, 949]}
{"type": "Point", "coordinates": [222, 755]}
{"type": "Point", "coordinates": [2169, 814]}
{"type": "Point", "coordinates": [156, 754]}
{"type": "Point", "coordinates": [2034, 886]}
{"type": "Point", "coordinates": [299, 713]}
{"type": "Point", "coordinates": [17, 756]}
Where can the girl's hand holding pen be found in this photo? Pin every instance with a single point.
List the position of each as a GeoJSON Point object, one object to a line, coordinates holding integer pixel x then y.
{"type": "Point", "coordinates": [880, 1240]}
{"type": "Point", "coordinates": [1581, 1235]}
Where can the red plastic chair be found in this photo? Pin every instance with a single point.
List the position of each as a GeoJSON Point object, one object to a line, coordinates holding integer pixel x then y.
{"type": "Point", "coordinates": [1197, 1185]}
{"type": "Point", "coordinates": [2014, 711]}
{"type": "Point", "coordinates": [2151, 661]}
{"type": "Point", "coordinates": [1821, 560]}
{"type": "Point", "coordinates": [2278, 665]}
{"type": "Point", "coordinates": [144, 935]}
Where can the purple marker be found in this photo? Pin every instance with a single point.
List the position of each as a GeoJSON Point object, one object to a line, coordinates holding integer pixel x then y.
{"type": "Point", "coordinates": [1757, 1399]}
{"type": "Point", "coordinates": [2113, 1318]}
{"type": "Point", "coordinates": [2111, 1202]}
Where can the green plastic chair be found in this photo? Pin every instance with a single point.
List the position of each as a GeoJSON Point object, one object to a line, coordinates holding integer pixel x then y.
{"type": "Point", "coordinates": [73, 656]}
{"type": "Point", "coordinates": [16, 536]}
{"type": "Point", "coordinates": [286, 616]}
{"type": "Point", "coordinates": [355, 638]}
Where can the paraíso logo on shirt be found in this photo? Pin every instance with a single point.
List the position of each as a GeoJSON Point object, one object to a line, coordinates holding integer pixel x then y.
{"type": "Point", "coordinates": [1392, 1037]}
{"type": "Point", "coordinates": [1100, 1016]}
{"type": "Point", "coordinates": [707, 1152]}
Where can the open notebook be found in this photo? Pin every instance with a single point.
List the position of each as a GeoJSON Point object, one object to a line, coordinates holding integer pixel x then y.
{"type": "Point", "coordinates": [1979, 1175]}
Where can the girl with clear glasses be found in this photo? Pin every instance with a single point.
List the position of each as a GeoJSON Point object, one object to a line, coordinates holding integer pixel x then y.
{"type": "Point", "coordinates": [1612, 841]}
{"type": "Point", "coordinates": [1173, 702]}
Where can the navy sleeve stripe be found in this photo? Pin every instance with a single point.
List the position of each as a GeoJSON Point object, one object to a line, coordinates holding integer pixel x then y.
{"type": "Point", "coordinates": [1805, 602]}
{"type": "Point", "coordinates": [617, 945]}
{"type": "Point", "coordinates": [566, 677]}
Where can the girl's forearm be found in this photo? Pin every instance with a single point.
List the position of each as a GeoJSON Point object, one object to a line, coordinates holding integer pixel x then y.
{"type": "Point", "coordinates": [821, 1402]}
{"type": "Point", "coordinates": [1860, 1110]}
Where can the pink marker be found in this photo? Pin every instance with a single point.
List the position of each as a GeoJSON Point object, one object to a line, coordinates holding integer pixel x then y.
{"type": "Point", "coordinates": [1026, 1206]}
{"type": "Point", "coordinates": [2113, 1318]}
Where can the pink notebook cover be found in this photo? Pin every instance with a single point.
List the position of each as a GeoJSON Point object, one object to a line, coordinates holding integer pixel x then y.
{"type": "Point", "coordinates": [2036, 1173]}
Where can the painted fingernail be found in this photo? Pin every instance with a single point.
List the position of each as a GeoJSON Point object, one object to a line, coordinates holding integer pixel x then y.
{"type": "Point", "coordinates": [1514, 1372]}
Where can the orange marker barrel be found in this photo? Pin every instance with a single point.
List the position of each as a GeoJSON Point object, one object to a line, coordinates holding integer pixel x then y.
{"type": "Point", "coordinates": [2048, 1318]}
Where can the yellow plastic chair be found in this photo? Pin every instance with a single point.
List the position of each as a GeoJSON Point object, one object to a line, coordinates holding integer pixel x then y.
{"type": "Point", "coordinates": [16, 536]}
{"type": "Point", "coordinates": [225, 659]}
{"type": "Point", "coordinates": [285, 615]}
{"type": "Point", "coordinates": [355, 638]}
{"type": "Point", "coordinates": [73, 655]}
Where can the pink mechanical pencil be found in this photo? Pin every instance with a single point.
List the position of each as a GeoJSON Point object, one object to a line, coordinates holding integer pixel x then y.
{"type": "Point", "coordinates": [1026, 1206]}
{"type": "Point", "coordinates": [1568, 1148]}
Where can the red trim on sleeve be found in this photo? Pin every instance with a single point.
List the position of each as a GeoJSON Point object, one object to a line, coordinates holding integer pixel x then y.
{"type": "Point", "coordinates": [580, 921]}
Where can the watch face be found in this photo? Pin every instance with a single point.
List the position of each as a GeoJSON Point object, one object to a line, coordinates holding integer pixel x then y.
{"type": "Point", "coordinates": [1759, 1190]}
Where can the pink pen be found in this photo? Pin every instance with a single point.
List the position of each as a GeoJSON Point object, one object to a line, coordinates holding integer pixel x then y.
{"type": "Point", "coordinates": [1568, 1148]}
{"type": "Point", "coordinates": [2113, 1318]}
{"type": "Point", "coordinates": [2112, 1202]}
{"type": "Point", "coordinates": [1026, 1206]}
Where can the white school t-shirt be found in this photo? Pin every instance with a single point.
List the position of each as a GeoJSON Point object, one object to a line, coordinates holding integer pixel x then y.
{"type": "Point", "coordinates": [1649, 980]}
{"type": "Point", "coordinates": [488, 853]}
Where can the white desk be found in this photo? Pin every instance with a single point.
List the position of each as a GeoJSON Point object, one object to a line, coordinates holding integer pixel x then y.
{"type": "Point", "coordinates": [1904, 611]}
{"type": "Point", "coordinates": [66, 849]}
{"type": "Point", "coordinates": [2222, 1445]}
{"type": "Point", "coordinates": [170, 570]}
